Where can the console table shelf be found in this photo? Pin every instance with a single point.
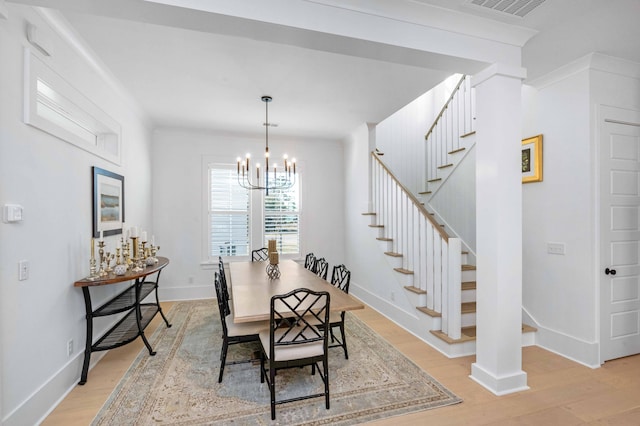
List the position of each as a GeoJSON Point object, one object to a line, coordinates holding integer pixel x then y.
{"type": "Point", "coordinates": [138, 315]}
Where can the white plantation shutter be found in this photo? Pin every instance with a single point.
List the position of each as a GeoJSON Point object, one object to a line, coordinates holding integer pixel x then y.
{"type": "Point", "coordinates": [282, 218]}
{"type": "Point", "coordinates": [229, 213]}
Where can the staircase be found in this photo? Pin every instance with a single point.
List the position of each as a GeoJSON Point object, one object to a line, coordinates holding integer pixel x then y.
{"type": "Point", "coordinates": [432, 264]}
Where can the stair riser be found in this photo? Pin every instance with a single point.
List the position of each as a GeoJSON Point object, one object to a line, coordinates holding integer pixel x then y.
{"type": "Point", "coordinates": [468, 296]}
{"type": "Point", "coordinates": [404, 280]}
{"type": "Point", "coordinates": [468, 319]}
{"type": "Point", "coordinates": [414, 298]}
{"type": "Point", "coordinates": [468, 276]}
{"type": "Point", "coordinates": [394, 262]}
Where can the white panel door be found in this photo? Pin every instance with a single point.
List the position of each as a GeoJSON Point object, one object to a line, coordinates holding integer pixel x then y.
{"type": "Point", "coordinates": [620, 236]}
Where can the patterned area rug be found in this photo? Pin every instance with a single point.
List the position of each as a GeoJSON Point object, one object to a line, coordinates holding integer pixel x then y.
{"type": "Point", "coordinates": [179, 385]}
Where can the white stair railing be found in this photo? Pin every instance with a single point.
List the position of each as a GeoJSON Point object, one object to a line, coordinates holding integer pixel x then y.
{"type": "Point", "coordinates": [434, 259]}
{"type": "Point", "coordinates": [455, 120]}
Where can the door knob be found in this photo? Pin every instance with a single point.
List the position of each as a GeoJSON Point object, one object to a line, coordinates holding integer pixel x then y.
{"type": "Point", "coordinates": [610, 271]}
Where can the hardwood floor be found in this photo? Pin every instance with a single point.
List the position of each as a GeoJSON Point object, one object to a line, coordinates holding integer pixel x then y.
{"type": "Point", "coordinates": [562, 392]}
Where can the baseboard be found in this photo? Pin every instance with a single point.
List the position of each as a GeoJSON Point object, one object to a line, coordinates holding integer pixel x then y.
{"type": "Point", "coordinates": [585, 353]}
{"type": "Point", "coordinates": [186, 293]}
{"type": "Point", "coordinates": [46, 398]}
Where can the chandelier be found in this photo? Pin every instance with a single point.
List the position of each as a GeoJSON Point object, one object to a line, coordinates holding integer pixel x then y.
{"type": "Point", "coordinates": [276, 181]}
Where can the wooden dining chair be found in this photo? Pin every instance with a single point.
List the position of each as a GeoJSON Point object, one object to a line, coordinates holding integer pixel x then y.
{"type": "Point", "coordinates": [259, 255]}
{"type": "Point", "coordinates": [223, 280]}
{"type": "Point", "coordinates": [340, 278]}
{"type": "Point", "coordinates": [310, 262]}
{"type": "Point", "coordinates": [297, 337]}
{"type": "Point", "coordinates": [233, 333]}
{"type": "Point", "coordinates": [322, 268]}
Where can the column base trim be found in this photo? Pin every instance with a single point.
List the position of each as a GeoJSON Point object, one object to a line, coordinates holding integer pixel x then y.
{"type": "Point", "coordinates": [499, 385]}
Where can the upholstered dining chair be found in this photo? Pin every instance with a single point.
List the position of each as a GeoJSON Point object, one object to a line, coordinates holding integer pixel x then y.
{"type": "Point", "coordinates": [233, 333]}
{"type": "Point", "coordinates": [259, 255]}
{"type": "Point", "coordinates": [310, 262]}
{"type": "Point", "coordinates": [322, 268]}
{"type": "Point", "coordinates": [297, 337]}
{"type": "Point", "coordinates": [340, 278]}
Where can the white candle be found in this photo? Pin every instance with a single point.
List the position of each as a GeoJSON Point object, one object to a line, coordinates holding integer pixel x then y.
{"type": "Point", "coordinates": [134, 232]}
{"type": "Point", "coordinates": [153, 240]}
{"type": "Point", "coordinates": [118, 244]}
{"type": "Point", "coordinates": [144, 237]}
{"type": "Point", "coordinates": [101, 235]}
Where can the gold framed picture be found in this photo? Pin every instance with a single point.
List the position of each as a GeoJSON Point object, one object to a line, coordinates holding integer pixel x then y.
{"type": "Point", "coordinates": [532, 159]}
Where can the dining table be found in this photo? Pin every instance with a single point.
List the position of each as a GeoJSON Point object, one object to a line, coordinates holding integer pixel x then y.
{"type": "Point", "coordinates": [252, 289]}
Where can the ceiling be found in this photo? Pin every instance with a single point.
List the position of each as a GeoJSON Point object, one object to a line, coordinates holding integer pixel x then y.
{"type": "Point", "coordinates": [212, 78]}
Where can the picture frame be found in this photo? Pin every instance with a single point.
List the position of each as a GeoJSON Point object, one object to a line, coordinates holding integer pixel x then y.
{"type": "Point", "coordinates": [532, 159]}
{"type": "Point", "coordinates": [108, 203]}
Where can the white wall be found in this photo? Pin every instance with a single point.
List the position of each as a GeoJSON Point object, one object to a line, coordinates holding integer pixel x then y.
{"type": "Point", "coordinates": [561, 292]}
{"type": "Point", "coordinates": [179, 216]}
{"type": "Point", "coordinates": [401, 135]}
{"type": "Point", "coordinates": [51, 179]}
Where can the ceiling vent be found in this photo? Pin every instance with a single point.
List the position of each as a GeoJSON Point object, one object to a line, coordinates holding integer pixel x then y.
{"type": "Point", "coordinates": [519, 8]}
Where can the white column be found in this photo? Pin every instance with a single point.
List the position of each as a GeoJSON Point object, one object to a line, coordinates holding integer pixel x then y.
{"type": "Point", "coordinates": [498, 365]}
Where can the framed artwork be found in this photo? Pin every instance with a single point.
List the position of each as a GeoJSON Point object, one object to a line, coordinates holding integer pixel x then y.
{"type": "Point", "coordinates": [108, 203]}
{"type": "Point", "coordinates": [532, 159]}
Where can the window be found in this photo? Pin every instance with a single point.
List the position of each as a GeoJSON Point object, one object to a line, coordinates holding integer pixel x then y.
{"type": "Point", "coordinates": [282, 218]}
{"type": "Point", "coordinates": [228, 214]}
{"type": "Point", "coordinates": [58, 108]}
{"type": "Point", "coordinates": [240, 220]}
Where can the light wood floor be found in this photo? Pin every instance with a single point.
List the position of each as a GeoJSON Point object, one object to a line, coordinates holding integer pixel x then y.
{"type": "Point", "coordinates": [562, 392]}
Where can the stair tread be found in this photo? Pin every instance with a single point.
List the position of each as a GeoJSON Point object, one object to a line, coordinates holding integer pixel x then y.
{"type": "Point", "coordinates": [435, 180]}
{"type": "Point", "coordinates": [384, 239]}
{"type": "Point", "coordinates": [429, 312]}
{"type": "Point", "coordinates": [456, 150]}
{"type": "Point", "coordinates": [403, 271]}
{"type": "Point", "coordinates": [445, 166]}
{"type": "Point", "coordinates": [415, 290]}
{"type": "Point", "coordinates": [392, 254]}
{"type": "Point", "coordinates": [468, 285]}
{"type": "Point", "coordinates": [468, 267]}
{"type": "Point", "coordinates": [468, 307]}
{"type": "Point", "coordinates": [425, 192]}
{"type": "Point", "coordinates": [376, 226]}
{"type": "Point", "coordinates": [369, 214]}
{"type": "Point", "coordinates": [469, 333]}
{"type": "Point", "coordinates": [466, 335]}
{"type": "Point", "coordinates": [468, 134]}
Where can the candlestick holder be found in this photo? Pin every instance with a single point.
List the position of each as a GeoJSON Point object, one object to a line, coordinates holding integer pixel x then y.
{"type": "Point", "coordinates": [101, 272]}
{"type": "Point", "coordinates": [108, 257]}
{"type": "Point", "coordinates": [273, 272]}
{"type": "Point", "coordinates": [154, 250]}
{"type": "Point", "coordinates": [93, 270]}
{"type": "Point", "coordinates": [136, 267]}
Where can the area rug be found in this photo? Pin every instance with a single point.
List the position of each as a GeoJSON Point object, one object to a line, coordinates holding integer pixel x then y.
{"type": "Point", "coordinates": [179, 386]}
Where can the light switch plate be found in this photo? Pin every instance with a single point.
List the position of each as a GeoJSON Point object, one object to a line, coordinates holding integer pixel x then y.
{"type": "Point", "coordinates": [12, 213]}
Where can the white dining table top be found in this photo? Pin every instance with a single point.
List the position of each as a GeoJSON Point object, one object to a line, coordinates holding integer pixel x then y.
{"type": "Point", "coordinates": [252, 289]}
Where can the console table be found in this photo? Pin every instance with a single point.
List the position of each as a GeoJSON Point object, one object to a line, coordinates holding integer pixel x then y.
{"type": "Point", "coordinates": [138, 315]}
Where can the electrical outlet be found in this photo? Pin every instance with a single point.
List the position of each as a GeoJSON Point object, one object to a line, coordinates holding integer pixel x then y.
{"type": "Point", "coordinates": [69, 348]}
{"type": "Point", "coordinates": [555, 248]}
{"type": "Point", "coordinates": [23, 270]}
